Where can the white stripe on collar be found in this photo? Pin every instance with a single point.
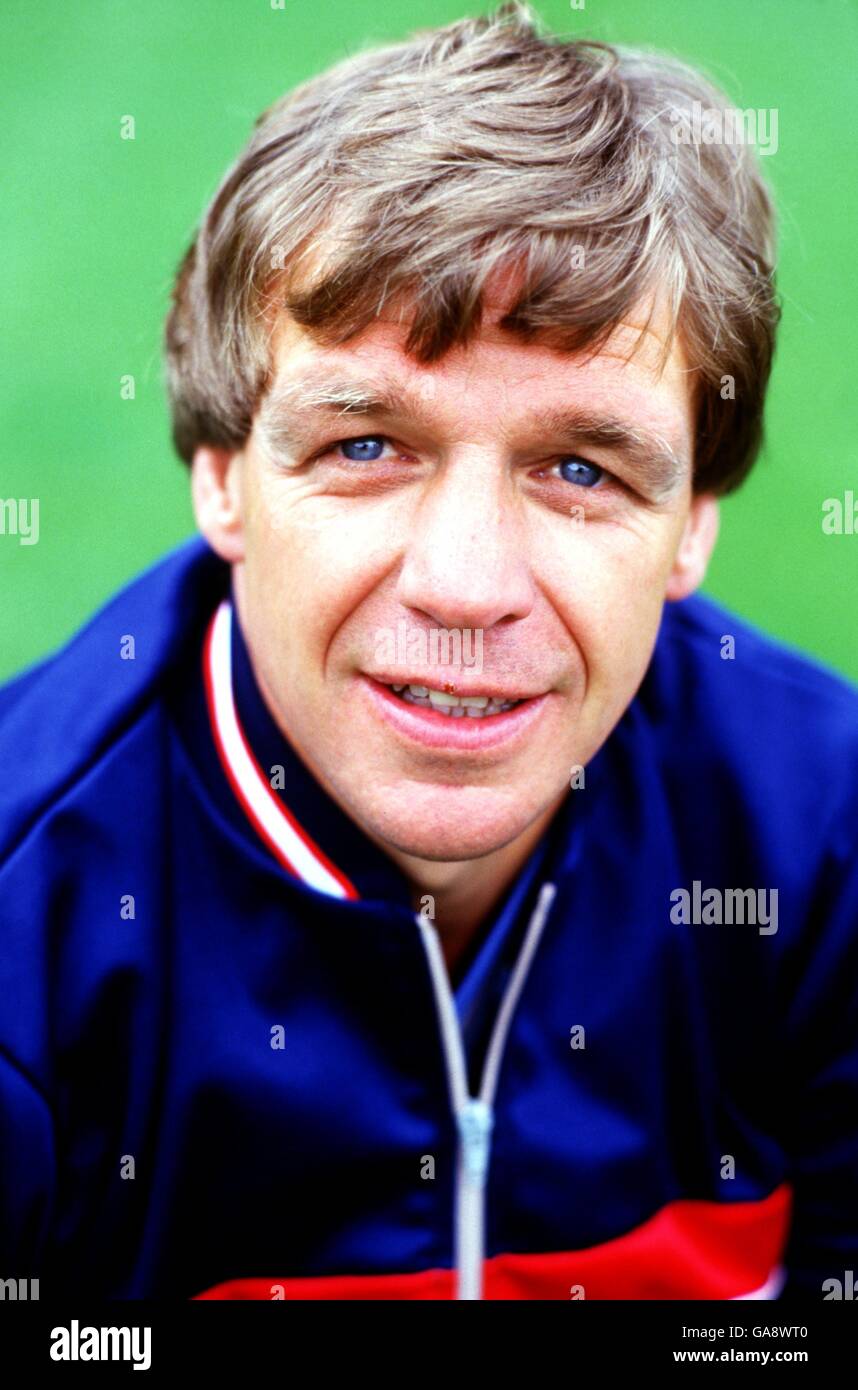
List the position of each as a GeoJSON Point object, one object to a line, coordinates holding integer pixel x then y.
{"type": "Point", "coordinates": [270, 817]}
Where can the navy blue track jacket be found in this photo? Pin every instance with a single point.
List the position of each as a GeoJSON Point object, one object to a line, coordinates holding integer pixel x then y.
{"type": "Point", "coordinates": [232, 1063]}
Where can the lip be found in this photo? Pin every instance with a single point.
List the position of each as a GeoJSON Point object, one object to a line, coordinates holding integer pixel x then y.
{"type": "Point", "coordinates": [460, 685]}
{"type": "Point", "coordinates": [417, 724]}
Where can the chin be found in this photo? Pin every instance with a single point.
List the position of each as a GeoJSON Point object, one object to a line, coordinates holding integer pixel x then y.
{"type": "Point", "coordinates": [447, 824]}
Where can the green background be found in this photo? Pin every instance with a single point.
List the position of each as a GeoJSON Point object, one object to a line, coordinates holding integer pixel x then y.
{"type": "Point", "coordinates": [93, 227]}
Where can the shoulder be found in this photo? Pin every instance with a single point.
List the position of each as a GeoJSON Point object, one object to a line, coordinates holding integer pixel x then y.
{"type": "Point", "coordinates": [742, 690]}
{"type": "Point", "coordinates": [63, 717]}
{"type": "Point", "coordinates": [755, 743]}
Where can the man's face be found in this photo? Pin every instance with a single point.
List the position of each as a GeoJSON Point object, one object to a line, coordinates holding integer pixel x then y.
{"type": "Point", "coordinates": [472, 505]}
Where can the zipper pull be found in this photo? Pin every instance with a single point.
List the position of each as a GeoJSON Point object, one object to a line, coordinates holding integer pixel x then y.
{"type": "Point", "coordinates": [475, 1121]}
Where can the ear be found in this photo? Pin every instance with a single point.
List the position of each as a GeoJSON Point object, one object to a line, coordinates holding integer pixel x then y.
{"type": "Point", "coordinates": [695, 547]}
{"type": "Point", "coordinates": [216, 495]}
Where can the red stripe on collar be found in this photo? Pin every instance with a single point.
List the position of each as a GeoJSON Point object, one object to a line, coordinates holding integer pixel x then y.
{"type": "Point", "coordinates": [272, 820]}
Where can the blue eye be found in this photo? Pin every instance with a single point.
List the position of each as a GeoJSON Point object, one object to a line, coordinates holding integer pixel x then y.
{"type": "Point", "coordinates": [366, 448]}
{"type": "Point", "coordinates": [575, 470]}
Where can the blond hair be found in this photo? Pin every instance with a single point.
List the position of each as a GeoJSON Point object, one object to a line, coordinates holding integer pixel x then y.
{"type": "Point", "coordinates": [420, 167]}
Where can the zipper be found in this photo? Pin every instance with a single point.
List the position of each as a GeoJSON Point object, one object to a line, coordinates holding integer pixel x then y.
{"type": "Point", "coordinates": [474, 1115]}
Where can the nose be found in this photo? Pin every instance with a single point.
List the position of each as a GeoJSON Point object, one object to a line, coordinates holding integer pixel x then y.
{"type": "Point", "coordinates": [466, 564]}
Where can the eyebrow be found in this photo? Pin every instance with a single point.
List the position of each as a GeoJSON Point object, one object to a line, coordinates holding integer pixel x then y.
{"type": "Point", "coordinates": [658, 468]}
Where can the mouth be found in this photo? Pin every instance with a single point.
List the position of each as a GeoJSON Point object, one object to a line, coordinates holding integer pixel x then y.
{"type": "Point", "coordinates": [453, 706]}
{"type": "Point", "coordinates": [463, 721]}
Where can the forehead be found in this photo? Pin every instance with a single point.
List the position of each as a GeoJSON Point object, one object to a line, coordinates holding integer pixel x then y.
{"type": "Point", "coordinates": [641, 373]}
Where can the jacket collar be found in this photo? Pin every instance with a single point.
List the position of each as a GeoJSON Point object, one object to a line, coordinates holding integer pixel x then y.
{"type": "Point", "coordinates": [312, 838]}
{"type": "Point", "coordinates": [306, 831]}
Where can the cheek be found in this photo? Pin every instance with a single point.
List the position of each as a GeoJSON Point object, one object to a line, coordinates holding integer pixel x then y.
{"type": "Point", "coordinates": [311, 562]}
{"type": "Point", "coordinates": [607, 583]}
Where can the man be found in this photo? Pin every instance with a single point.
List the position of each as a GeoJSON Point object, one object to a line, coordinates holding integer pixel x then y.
{"type": "Point", "coordinates": [411, 890]}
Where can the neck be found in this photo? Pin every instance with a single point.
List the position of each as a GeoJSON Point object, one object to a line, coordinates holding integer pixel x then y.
{"type": "Point", "coordinates": [465, 891]}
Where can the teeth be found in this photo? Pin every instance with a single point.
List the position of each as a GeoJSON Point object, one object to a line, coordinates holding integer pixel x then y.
{"type": "Point", "coordinates": [438, 697]}
{"type": "Point", "coordinates": [453, 706]}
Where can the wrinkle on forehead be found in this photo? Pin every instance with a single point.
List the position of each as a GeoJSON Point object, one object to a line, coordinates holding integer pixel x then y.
{"type": "Point", "coordinates": [642, 341]}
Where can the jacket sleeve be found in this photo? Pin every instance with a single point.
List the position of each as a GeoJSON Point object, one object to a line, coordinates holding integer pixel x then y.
{"type": "Point", "coordinates": [27, 1173]}
{"type": "Point", "coordinates": [820, 1089]}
